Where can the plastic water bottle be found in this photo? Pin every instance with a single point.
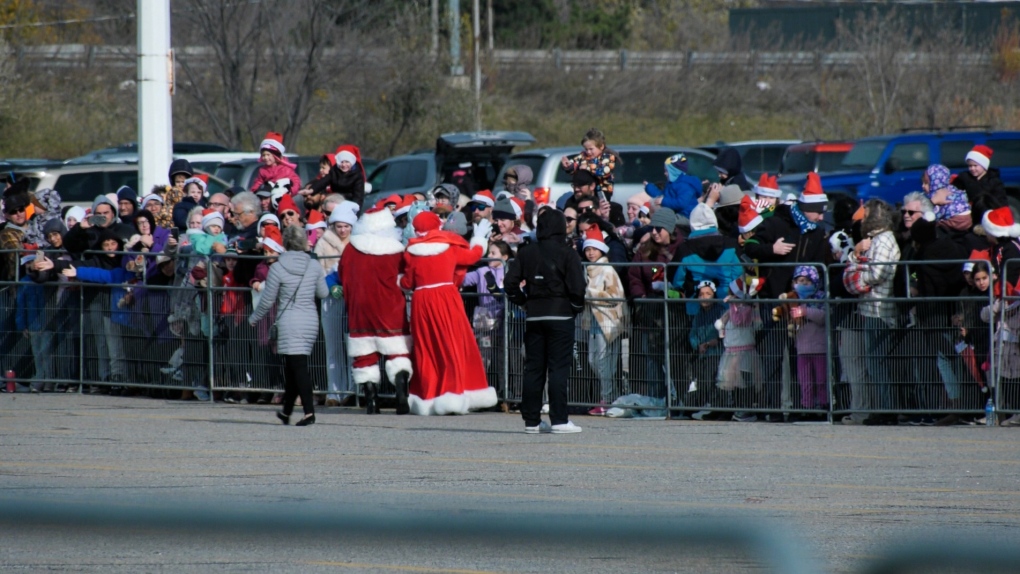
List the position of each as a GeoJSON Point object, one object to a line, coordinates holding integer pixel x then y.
{"type": "Point", "coordinates": [990, 413]}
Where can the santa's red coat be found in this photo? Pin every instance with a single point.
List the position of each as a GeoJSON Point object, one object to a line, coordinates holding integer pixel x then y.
{"type": "Point", "coordinates": [376, 306]}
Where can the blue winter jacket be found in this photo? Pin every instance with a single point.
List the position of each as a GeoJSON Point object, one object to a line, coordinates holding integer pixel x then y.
{"type": "Point", "coordinates": [116, 276]}
{"type": "Point", "coordinates": [681, 195]}
{"type": "Point", "coordinates": [705, 246]}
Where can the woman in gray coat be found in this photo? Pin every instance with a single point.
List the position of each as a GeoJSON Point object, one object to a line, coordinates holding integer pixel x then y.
{"type": "Point", "coordinates": [294, 283]}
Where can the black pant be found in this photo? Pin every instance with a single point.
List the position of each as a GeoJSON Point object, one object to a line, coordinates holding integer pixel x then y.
{"type": "Point", "coordinates": [548, 346]}
{"type": "Point", "coordinates": [297, 382]}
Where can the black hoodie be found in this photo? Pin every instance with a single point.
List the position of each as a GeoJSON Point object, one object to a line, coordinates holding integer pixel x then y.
{"type": "Point", "coordinates": [729, 160]}
{"type": "Point", "coordinates": [350, 185]}
{"type": "Point", "coordinates": [991, 184]}
{"type": "Point", "coordinates": [555, 279]}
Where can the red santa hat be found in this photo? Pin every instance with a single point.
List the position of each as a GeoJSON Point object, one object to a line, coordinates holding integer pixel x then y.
{"type": "Point", "coordinates": [286, 204]}
{"type": "Point", "coordinates": [981, 155]}
{"type": "Point", "coordinates": [315, 220]}
{"type": "Point", "coordinates": [485, 196]}
{"type": "Point", "coordinates": [404, 206]}
{"type": "Point", "coordinates": [813, 198]}
{"type": "Point", "coordinates": [269, 218]}
{"type": "Point", "coordinates": [394, 200]}
{"type": "Point", "coordinates": [201, 179]}
{"type": "Point", "coordinates": [767, 186]}
{"type": "Point", "coordinates": [426, 221]}
{"type": "Point", "coordinates": [345, 155]}
{"type": "Point", "coordinates": [646, 209]}
{"type": "Point", "coordinates": [999, 223]}
{"type": "Point", "coordinates": [594, 238]}
{"type": "Point", "coordinates": [518, 206]}
{"type": "Point", "coordinates": [748, 218]}
{"type": "Point", "coordinates": [746, 287]}
{"type": "Point", "coordinates": [274, 143]}
{"type": "Point", "coordinates": [272, 238]}
{"type": "Point", "coordinates": [211, 217]}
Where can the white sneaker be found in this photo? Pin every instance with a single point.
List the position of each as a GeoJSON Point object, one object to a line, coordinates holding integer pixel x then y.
{"type": "Point", "coordinates": [1013, 421]}
{"type": "Point", "coordinates": [543, 427]}
{"type": "Point", "coordinates": [565, 428]}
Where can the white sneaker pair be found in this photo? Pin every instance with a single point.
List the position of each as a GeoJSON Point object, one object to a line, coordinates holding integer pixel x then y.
{"type": "Point", "coordinates": [544, 427]}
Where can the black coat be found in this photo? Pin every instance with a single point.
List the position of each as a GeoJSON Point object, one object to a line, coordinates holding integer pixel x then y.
{"type": "Point", "coordinates": [729, 159]}
{"type": "Point", "coordinates": [990, 184]}
{"type": "Point", "coordinates": [556, 280]}
{"type": "Point", "coordinates": [351, 185]}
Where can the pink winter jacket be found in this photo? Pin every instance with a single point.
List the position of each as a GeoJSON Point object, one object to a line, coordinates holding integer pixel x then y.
{"type": "Point", "coordinates": [275, 173]}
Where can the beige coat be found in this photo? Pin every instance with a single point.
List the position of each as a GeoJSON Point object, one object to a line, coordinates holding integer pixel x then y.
{"type": "Point", "coordinates": [329, 248]}
{"type": "Point", "coordinates": [603, 284]}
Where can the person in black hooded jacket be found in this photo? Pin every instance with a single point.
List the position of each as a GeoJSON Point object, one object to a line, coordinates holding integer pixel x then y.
{"type": "Point", "coordinates": [346, 177]}
{"type": "Point", "coordinates": [731, 169]}
{"type": "Point", "coordinates": [553, 282]}
{"type": "Point", "coordinates": [980, 179]}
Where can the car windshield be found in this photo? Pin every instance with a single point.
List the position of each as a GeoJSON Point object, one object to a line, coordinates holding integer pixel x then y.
{"type": "Point", "coordinates": [230, 173]}
{"type": "Point", "coordinates": [801, 161]}
{"type": "Point", "coordinates": [864, 155]}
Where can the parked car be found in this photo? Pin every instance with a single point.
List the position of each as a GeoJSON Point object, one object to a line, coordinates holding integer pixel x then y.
{"type": "Point", "coordinates": [890, 166]}
{"type": "Point", "coordinates": [758, 156]}
{"type": "Point", "coordinates": [819, 157]}
{"type": "Point", "coordinates": [129, 152]}
{"type": "Point", "coordinates": [419, 171]}
{"type": "Point", "coordinates": [79, 184]}
{"type": "Point", "coordinates": [640, 163]}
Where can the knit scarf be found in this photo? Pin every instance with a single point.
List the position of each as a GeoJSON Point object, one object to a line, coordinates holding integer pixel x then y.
{"type": "Point", "coordinates": [802, 220]}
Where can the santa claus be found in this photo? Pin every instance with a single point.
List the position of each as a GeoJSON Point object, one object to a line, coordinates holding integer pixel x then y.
{"type": "Point", "coordinates": [450, 378]}
{"type": "Point", "coordinates": [376, 308]}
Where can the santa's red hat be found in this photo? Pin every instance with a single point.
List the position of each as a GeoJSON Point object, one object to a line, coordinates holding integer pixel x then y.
{"type": "Point", "coordinates": [201, 179]}
{"type": "Point", "coordinates": [999, 223]}
{"type": "Point", "coordinates": [210, 217]}
{"type": "Point", "coordinates": [315, 220]}
{"type": "Point", "coordinates": [272, 238]}
{"type": "Point", "coordinates": [274, 143]}
{"type": "Point", "coordinates": [748, 218]}
{"type": "Point", "coordinates": [767, 186]}
{"type": "Point", "coordinates": [344, 155]}
{"type": "Point", "coordinates": [394, 200]}
{"type": "Point", "coordinates": [646, 209]}
{"type": "Point", "coordinates": [813, 198]}
{"type": "Point", "coordinates": [426, 221]}
{"type": "Point", "coordinates": [286, 204]}
{"type": "Point", "coordinates": [404, 206]}
{"type": "Point", "coordinates": [485, 196]}
{"type": "Point", "coordinates": [981, 155]}
{"type": "Point", "coordinates": [594, 238]}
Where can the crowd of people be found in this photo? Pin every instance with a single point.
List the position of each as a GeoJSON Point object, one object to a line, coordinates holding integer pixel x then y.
{"type": "Point", "coordinates": [908, 307]}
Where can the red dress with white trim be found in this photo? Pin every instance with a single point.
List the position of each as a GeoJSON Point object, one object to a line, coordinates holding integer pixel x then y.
{"type": "Point", "coordinates": [449, 375]}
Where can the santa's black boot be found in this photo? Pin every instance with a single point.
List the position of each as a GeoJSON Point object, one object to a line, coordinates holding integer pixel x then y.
{"type": "Point", "coordinates": [401, 382]}
{"type": "Point", "coordinates": [371, 398]}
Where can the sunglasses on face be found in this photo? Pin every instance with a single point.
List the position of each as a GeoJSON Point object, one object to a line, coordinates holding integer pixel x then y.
{"type": "Point", "coordinates": [288, 214]}
{"type": "Point", "coordinates": [327, 213]}
{"type": "Point", "coordinates": [910, 212]}
{"type": "Point", "coordinates": [571, 219]}
{"type": "Point", "coordinates": [13, 211]}
{"type": "Point", "coordinates": [658, 229]}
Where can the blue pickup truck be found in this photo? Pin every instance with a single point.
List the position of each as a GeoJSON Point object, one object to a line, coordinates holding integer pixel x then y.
{"type": "Point", "coordinates": [889, 167]}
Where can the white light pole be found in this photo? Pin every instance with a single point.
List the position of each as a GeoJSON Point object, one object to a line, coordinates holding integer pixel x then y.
{"type": "Point", "coordinates": [477, 32]}
{"type": "Point", "coordinates": [155, 86]}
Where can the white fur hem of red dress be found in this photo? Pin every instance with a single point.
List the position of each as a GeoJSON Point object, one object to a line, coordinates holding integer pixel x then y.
{"type": "Point", "coordinates": [452, 403]}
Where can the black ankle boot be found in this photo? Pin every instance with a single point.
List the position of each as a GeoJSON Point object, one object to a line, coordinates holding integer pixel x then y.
{"type": "Point", "coordinates": [401, 383]}
{"type": "Point", "coordinates": [371, 398]}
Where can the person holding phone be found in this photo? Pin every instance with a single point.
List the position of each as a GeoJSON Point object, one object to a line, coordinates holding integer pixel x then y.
{"type": "Point", "coordinates": [85, 236]}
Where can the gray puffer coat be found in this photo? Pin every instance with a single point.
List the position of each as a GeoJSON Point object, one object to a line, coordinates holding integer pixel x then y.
{"type": "Point", "coordinates": [297, 320]}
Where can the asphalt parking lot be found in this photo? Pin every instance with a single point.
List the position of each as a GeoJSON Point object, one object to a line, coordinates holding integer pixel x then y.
{"type": "Point", "coordinates": [837, 494]}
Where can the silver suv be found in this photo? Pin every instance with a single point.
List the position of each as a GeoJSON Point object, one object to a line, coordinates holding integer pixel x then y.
{"type": "Point", "coordinates": [640, 163]}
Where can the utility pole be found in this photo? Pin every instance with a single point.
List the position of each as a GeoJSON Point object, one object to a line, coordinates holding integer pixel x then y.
{"type": "Point", "coordinates": [155, 88]}
{"type": "Point", "coordinates": [456, 67]}
{"type": "Point", "coordinates": [477, 33]}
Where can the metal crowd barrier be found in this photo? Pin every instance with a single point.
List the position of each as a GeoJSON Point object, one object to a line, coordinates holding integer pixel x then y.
{"type": "Point", "coordinates": [173, 339]}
